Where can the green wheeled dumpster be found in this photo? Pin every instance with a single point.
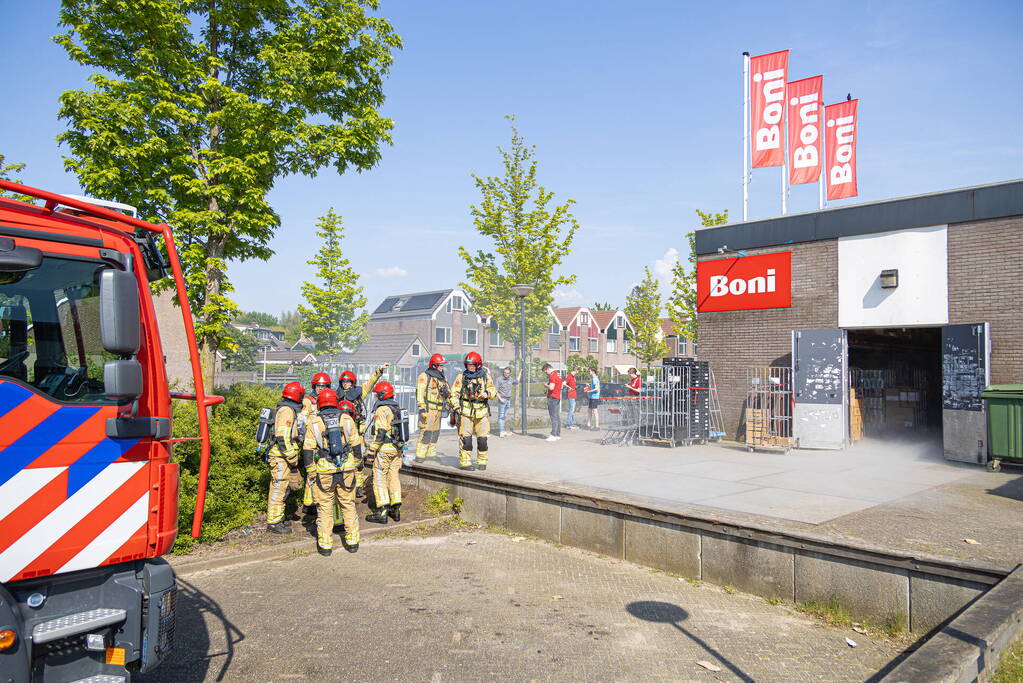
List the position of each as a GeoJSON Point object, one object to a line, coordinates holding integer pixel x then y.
{"type": "Point", "coordinates": [1004, 421]}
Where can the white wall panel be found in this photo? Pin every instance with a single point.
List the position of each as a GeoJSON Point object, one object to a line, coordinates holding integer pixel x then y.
{"type": "Point", "coordinates": [921, 257]}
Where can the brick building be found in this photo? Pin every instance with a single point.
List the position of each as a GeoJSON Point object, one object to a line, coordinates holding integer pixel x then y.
{"type": "Point", "coordinates": [905, 307]}
{"type": "Point", "coordinates": [445, 323]}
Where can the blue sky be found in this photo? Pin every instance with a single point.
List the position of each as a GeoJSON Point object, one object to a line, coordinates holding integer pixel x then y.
{"type": "Point", "coordinates": [636, 111]}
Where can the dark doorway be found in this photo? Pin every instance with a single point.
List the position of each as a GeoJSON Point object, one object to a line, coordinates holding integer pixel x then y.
{"type": "Point", "coordinates": [896, 378]}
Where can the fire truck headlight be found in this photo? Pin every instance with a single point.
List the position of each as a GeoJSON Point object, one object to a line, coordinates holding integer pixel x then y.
{"type": "Point", "coordinates": [7, 639]}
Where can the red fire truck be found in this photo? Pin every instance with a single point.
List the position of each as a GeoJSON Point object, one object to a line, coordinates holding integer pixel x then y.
{"type": "Point", "coordinates": [88, 492]}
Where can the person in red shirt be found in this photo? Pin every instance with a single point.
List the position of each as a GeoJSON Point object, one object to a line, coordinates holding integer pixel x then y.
{"type": "Point", "coordinates": [635, 382]}
{"type": "Point", "coordinates": [553, 401]}
{"type": "Point", "coordinates": [570, 394]}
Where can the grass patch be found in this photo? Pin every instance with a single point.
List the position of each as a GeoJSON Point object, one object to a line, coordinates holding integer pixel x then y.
{"type": "Point", "coordinates": [439, 503]}
{"type": "Point", "coordinates": [730, 590]}
{"type": "Point", "coordinates": [832, 612]}
{"type": "Point", "coordinates": [1010, 667]}
{"type": "Point", "coordinates": [775, 601]}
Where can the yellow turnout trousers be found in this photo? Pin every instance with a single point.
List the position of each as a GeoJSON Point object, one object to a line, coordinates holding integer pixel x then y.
{"type": "Point", "coordinates": [469, 427]}
{"type": "Point", "coordinates": [429, 433]}
{"type": "Point", "coordinates": [328, 490]}
{"type": "Point", "coordinates": [284, 477]}
{"type": "Point", "coordinates": [386, 485]}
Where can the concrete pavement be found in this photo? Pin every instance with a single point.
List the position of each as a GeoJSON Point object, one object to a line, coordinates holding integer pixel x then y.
{"type": "Point", "coordinates": [482, 606]}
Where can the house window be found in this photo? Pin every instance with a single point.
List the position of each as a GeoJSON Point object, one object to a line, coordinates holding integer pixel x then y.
{"type": "Point", "coordinates": [555, 328]}
{"type": "Point", "coordinates": [611, 345]}
{"type": "Point", "coordinates": [573, 343]}
{"type": "Point", "coordinates": [553, 342]}
{"type": "Point", "coordinates": [416, 350]}
{"type": "Point", "coordinates": [455, 303]}
{"type": "Point", "coordinates": [536, 346]}
{"type": "Point", "coordinates": [620, 321]}
{"type": "Point", "coordinates": [626, 345]}
{"type": "Point", "coordinates": [469, 336]}
{"type": "Point", "coordinates": [593, 344]}
{"type": "Point", "coordinates": [584, 318]}
{"type": "Point", "coordinates": [683, 346]}
{"type": "Point", "coordinates": [443, 335]}
{"type": "Point", "coordinates": [495, 337]}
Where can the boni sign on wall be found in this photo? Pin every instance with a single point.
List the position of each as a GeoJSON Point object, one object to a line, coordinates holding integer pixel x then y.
{"type": "Point", "coordinates": [744, 283]}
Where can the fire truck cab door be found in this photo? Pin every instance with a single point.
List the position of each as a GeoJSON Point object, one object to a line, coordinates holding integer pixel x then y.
{"type": "Point", "coordinates": [819, 381]}
{"type": "Point", "coordinates": [965, 371]}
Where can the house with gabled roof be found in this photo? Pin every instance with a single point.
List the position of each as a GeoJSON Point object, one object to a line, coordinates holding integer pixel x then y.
{"type": "Point", "coordinates": [678, 345]}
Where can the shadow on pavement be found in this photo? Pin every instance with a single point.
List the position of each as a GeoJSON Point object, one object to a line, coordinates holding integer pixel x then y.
{"type": "Point", "coordinates": [191, 658]}
{"type": "Point", "coordinates": [667, 613]}
{"type": "Point", "coordinates": [1010, 489]}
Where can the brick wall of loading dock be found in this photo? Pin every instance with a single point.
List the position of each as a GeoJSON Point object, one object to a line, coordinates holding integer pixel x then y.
{"type": "Point", "coordinates": [985, 284]}
{"type": "Point", "coordinates": [734, 340]}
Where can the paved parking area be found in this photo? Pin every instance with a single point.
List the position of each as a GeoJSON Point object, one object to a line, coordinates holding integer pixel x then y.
{"type": "Point", "coordinates": [482, 606]}
{"type": "Point", "coordinates": [903, 496]}
{"type": "Point", "coordinates": [804, 486]}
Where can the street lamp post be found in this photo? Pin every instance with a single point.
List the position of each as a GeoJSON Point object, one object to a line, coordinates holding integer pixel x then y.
{"type": "Point", "coordinates": [522, 291]}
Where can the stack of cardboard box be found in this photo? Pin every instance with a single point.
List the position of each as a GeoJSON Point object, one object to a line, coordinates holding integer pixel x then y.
{"type": "Point", "coordinates": [901, 405]}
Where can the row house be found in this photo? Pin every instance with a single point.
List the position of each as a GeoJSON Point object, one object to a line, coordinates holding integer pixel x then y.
{"type": "Point", "coordinates": [677, 344]}
{"type": "Point", "coordinates": [443, 321]}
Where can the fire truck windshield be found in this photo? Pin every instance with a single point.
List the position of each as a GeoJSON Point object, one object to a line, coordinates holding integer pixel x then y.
{"type": "Point", "coordinates": [49, 330]}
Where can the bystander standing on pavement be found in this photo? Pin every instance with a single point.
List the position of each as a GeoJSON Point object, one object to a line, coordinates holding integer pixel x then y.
{"type": "Point", "coordinates": [570, 394]}
{"type": "Point", "coordinates": [553, 400]}
{"type": "Point", "coordinates": [592, 391]}
{"type": "Point", "coordinates": [505, 390]}
{"type": "Point", "coordinates": [635, 382]}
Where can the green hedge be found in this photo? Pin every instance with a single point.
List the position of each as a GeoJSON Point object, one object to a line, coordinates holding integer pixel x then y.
{"type": "Point", "coordinates": [238, 478]}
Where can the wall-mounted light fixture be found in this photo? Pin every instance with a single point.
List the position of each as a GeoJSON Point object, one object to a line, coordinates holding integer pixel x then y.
{"type": "Point", "coordinates": [889, 279]}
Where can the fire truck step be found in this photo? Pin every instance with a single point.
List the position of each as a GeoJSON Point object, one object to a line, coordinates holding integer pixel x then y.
{"type": "Point", "coordinates": [102, 678]}
{"type": "Point", "coordinates": [73, 624]}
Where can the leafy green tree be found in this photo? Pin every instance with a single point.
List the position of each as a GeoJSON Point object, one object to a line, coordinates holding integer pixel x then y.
{"type": "Point", "coordinates": [530, 238]}
{"type": "Point", "coordinates": [681, 302]}
{"type": "Point", "coordinates": [258, 317]}
{"type": "Point", "coordinates": [577, 363]}
{"type": "Point", "coordinates": [336, 316]}
{"type": "Point", "coordinates": [10, 172]}
{"type": "Point", "coordinates": [606, 306]}
{"type": "Point", "coordinates": [291, 321]}
{"type": "Point", "coordinates": [197, 108]}
{"type": "Point", "coordinates": [243, 352]}
{"type": "Point", "coordinates": [643, 308]}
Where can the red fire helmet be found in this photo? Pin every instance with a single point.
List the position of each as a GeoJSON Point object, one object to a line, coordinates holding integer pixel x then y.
{"type": "Point", "coordinates": [347, 407]}
{"type": "Point", "coordinates": [383, 390]}
{"type": "Point", "coordinates": [326, 399]}
{"type": "Point", "coordinates": [437, 361]}
{"type": "Point", "coordinates": [293, 391]}
{"type": "Point", "coordinates": [347, 375]}
{"type": "Point", "coordinates": [473, 357]}
{"type": "Point", "coordinates": [322, 379]}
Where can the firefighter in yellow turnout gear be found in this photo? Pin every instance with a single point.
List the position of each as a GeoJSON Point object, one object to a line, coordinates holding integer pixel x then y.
{"type": "Point", "coordinates": [470, 396]}
{"type": "Point", "coordinates": [283, 457]}
{"type": "Point", "coordinates": [432, 392]}
{"type": "Point", "coordinates": [333, 444]}
{"type": "Point", "coordinates": [321, 381]}
{"type": "Point", "coordinates": [349, 390]}
{"type": "Point", "coordinates": [385, 445]}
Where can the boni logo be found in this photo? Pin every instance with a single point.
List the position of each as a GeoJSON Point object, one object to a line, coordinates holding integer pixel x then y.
{"type": "Point", "coordinates": [744, 283]}
{"type": "Point", "coordinates": [720, 285]}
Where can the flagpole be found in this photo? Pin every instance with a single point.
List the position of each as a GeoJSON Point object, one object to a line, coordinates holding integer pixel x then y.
{"type": "Point", "coordinates": [745, 136]}
{"type": "Point", "coordinates": [784, 178]}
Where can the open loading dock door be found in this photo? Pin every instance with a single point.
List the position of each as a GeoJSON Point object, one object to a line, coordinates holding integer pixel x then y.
{"type": "Point", "coordinates": [965, 364]}
{"type": "Point", "coordinates": [819, 379]}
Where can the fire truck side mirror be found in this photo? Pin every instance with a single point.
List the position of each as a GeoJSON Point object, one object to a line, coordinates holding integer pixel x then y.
{"type": "Point", "coordinates": [119, 322]}
{"type": "Point", "coordinates": [122, 379]}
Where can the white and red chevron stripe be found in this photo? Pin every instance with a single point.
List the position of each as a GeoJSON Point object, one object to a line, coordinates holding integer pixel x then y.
{"type": "Point", "coordinates": [42, 533]}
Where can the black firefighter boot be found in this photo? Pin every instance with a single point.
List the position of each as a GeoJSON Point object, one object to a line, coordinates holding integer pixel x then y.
{"type": "Point", "coordinates": [323, 551]}
{"type": "Point", "coordinates": [378, 516]}
{"type": "Point", "coordinates": [394, 511]}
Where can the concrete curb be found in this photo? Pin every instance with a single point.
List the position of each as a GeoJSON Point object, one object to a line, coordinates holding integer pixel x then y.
{"type": "Point", "coordinates": [185, 566]}
{"type": "Point", "coordinates": [875, 583]}
{"type": "Point", "coordinates": [968, 647]}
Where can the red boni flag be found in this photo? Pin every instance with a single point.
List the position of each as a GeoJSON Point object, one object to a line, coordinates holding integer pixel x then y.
{"type": "Point", "coordinates": [768, 75]}
{"type": "Point", "coordinates": [840, 122]}
{"type": "Point", "coordinates": [806, 129]}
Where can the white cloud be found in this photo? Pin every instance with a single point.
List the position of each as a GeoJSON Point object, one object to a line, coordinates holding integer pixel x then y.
{"type": "Point", "coordinates": [569, 297]}
{"type": "Point", "coordinates": [662, 269]}
{"type": "Point", "coordinates": [393, 271]}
